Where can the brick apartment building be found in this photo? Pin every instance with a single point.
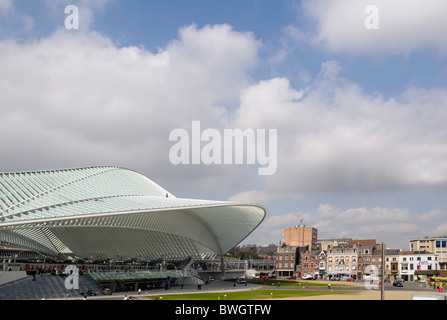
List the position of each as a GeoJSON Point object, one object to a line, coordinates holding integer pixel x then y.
{"type": "Point", "coordinates": [288, 260]}
{"type": "Point", "coordinates": [301, 236]}
{"type": "Point", "coordinates": [313, 263]}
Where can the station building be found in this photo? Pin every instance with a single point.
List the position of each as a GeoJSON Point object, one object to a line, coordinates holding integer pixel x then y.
{"type": "Point", "coordinates": [110, 214]}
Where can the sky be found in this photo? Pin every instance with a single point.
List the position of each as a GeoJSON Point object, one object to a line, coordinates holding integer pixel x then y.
{"type": "Point", "coordinates": [355, 90]}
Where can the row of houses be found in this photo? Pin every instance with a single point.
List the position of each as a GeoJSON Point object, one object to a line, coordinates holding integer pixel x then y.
{"type": "Point", "coordinates": [302, 254]}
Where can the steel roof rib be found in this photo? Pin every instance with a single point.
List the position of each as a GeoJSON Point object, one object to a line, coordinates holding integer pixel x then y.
{"type": "Point", "coordinates": [116, 213]}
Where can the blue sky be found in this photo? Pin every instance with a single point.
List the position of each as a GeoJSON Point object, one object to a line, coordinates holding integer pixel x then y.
{"type": "Point", "coordinates": [360, 114]}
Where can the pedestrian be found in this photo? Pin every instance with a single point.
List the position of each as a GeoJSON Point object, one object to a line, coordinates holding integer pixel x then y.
{"type": "Point", "coordinates": [329, 286]}
{"type": "Point", "coordinates": [139, 291]}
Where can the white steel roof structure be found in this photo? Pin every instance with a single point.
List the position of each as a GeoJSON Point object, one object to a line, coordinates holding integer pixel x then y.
{"type": "Point", "coordinates": [116, 213]}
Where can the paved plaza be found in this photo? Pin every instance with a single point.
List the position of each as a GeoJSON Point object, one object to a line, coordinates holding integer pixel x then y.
{"type": "Point", "coordinates": [50, 287]}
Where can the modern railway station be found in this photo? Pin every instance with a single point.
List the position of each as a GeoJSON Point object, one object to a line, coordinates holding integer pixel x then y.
{"type": "Point", "coordinates": [114, 224]}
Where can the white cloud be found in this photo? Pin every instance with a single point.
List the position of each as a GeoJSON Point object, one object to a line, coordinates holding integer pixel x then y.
{"type": "Point", "coordinates": [441, 230]}
{"type": "Point", "coordinates": [404, 26]}
{"type": "Point", "coordinates": [333, 137]}
{"type": "Point", "coordinates": [433, 216]}
{"type": "Point", "coordinates": [261, 197]}
{"type": "Point", "coordinates": [77, 98]}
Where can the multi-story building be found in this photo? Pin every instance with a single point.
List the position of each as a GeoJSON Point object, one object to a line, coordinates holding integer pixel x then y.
{"type": "Point", "coordinates": [417, 265]}
{"type": "Point", "coordinates": [322, 264]}
{"type": "Point", "coordinates": [296, 241]}
{"type": "Point", "coordinates": [323, 244]}
{"type": "Point", "coordinates": [287, 260]}
{"type": "Point", "coordinates": [300, 236]}
{"type": "Point", "coordinates": [310, 263]}
{"type": "Point", "coordinates": [370, 258]}
{"type": "Point", "coordinates": [436, 245]}
{"type": "Point", "coordinates": [342, 261]}
{"type": "Point", "coordinates": [392, 263]}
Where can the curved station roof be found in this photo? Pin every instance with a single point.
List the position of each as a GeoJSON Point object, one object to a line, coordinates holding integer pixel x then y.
{"type": "Point", "coordinates": [116, 213]}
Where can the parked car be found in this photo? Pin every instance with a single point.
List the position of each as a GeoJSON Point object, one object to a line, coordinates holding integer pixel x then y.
{"type": "Point", "coordinates": [292, 278]}
{"type": "Point", "coordinates": [349, 279]}
{"type": "Point", "coordinates": [398, 283]}
{"type": "Point", "coordinates": [308, 277]}
{"type": "Point", "coordinates": [335, 279]}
